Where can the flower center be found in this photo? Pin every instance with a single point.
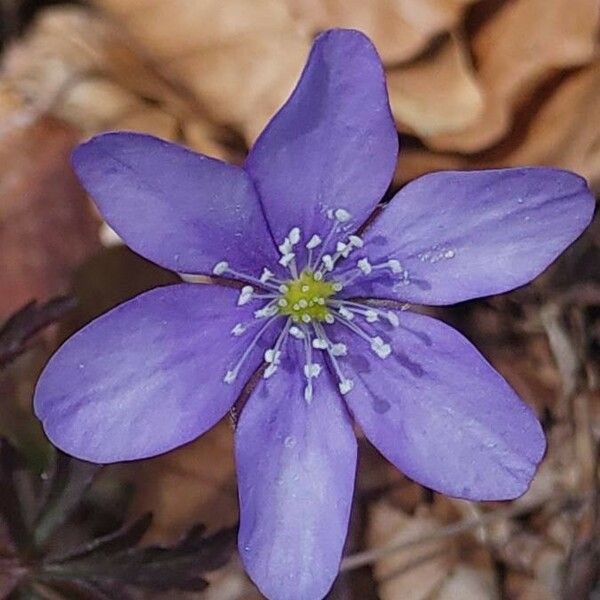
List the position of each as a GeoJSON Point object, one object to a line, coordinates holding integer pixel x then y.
{"type": "Point", "coordinates": [308, 303]}
{"type": "Point", "coordinates": [304, 299]}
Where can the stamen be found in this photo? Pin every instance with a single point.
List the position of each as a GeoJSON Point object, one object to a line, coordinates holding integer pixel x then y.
{"type": "Point", "coordinates": [286, 259]}
{"type": "Point", "coordinates": [334, 229]}
{"type": "Point", "coordinates": [239, 329]}
{"type": "Point", "coordinates": [273, 354]}
{"type": "Point", "coordinates": [231, 375]}
{"type": "Point", "coordinates": [222, 268]}
{"type": "Point", "coordinates": [296, 332]}
{"type": "Point", "coordinates": [245, 295]}
{"type": "Point", "coordinates": [344, 384]}
{"type": "Point", "coordinates": [294, 235]}
{"type": "Point", "coordinates": [342, 215]}
{"type": "Point", "coordinates": [339, 349]}
{"type": "Point", "coordinates": [377, 344]}
{"type": "Point", "coordinates": [356, 241]}
{"type": "Point", "coordinates": [314, 241]}
{"type": "Point", "coordinates": [327, 261]}
{"type": "Point", "coordinates": [308, 389]}
{"type": "Point", "coordinates": [364, 265]}
{"type": "Point", "coordinates": [371, 314]}
{"type": "Point", "coordinates": [266, 275]}
{"type": "Point", "coordinates": [268, 310]}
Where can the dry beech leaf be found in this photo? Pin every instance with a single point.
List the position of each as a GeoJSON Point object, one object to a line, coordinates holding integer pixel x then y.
{"type": "Point", "coordinates": [239, 59]}
{"type": "Point", "coordinates": [524, 43]}
{"type": "Point", "coordinates": [399, 28]}
{"type": "Point", "coordinates": [81, 68]}
{"type": "Point", "coordinates": [195, 483]}
{"type": "Point", "coordinates": [415, 573]}
{"type": "Point", "coordinates": [563, 131]}
{"type": "Point", "coordinates": [438, 92]}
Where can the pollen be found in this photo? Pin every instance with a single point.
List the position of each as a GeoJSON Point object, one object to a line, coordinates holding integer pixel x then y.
{"type": "Point", "coordinates": [305, 298]}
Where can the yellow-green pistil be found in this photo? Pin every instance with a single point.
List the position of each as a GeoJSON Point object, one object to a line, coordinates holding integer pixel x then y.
{"type": "Point", "coordinates": [305, 298]}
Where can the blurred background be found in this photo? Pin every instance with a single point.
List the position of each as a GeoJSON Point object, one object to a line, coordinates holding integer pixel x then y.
{"type": "Point", "coordinates": [473, 84]}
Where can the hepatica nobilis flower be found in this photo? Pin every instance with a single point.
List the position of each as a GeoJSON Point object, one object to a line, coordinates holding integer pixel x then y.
{"type": "Point", "coordinates": [294, 231]}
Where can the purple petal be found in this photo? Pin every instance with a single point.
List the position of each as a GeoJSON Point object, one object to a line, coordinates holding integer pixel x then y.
{"type": "Point", "coordinates": [147, 376]}
{"type": "Point", "coordinates": [296, 465]}
{"type": "Point", "coordinates": [438, 411]}
{"type": "Point", "coordinates": [181, 210]}
{"type": "Point", "coordinates": [461, 235]}
{"type": "Point", "coordinates": [333, 144]}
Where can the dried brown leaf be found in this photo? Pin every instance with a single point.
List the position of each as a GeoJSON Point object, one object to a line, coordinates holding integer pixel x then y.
{"type": "Point", "coordinates": [47, 227]}
{"type": "Point", "coordinates": [524, 44]}
{"type": "Point", "coordinates": [437, 93]}
{"type": "Point", "coordinates": [239, 60]}
{"type": "Point", "coordinates": [415, 573]}
{"type": "Point", "coordinates": [195, 483]}
{"type": "Point", "coordinates": [82, 68]}
{"type": "Point", "coordinates": [399, 28]}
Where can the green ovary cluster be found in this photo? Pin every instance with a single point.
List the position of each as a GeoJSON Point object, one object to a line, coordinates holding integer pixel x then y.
{"type": "Point", "coordinates": [305, 298]}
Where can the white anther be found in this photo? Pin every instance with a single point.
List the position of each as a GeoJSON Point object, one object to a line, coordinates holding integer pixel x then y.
{"type": "Point", "coordinates": [395, 265]}
{"type": "Point", "coordinates": [284, 289]}
{"type": "Point", "coordinates": [329, 318]}
{"type": "Point", "coordinates": [245, 295]}
{"type": "Point", "coordinates": [272, 356]}
{"type": "Point", "coordinates": [342, 215]}
{"type": "Point", "coordinates": [329, 213]}
{"type": "Point", "coordinates": [314, 241]}
{"type": "Point", "coordinates": [305, 288]}
{"type": "Point", "coordinates": [356, 241]}
{"type": "Point", "coordinates": [339, 349]}
{"type": "Point", "coordinates": [318, 276]}
{"type": "Point", "coordinates": [302, 303]}
{"type": "Point", "coordinates": [266, 275]}
{"type": "Point", "coordinates": [380, 348]}
{"type": "Point", "coordinates": [270, 371]}
{"type": "Point", "coordinates": [364, 265]}
{"type": "Point", "coordinates": [286, 259]}
{"type": "Point", "coordinates": [371, 316]}
{"type": "Point", "coordinates": [238, 329]}
{"type": "Point", "coordinates": [286, 247]}
{"type": "Point", "coordinates": [306, 318]}
{"type": "Point", "coordinates": [347, 314]}
{"type": "Point", "coordinates": [319, 344]}
{"type": "Point", "coordinates": [337, 286]}
{"type": "Point", "coordinates": [294, 235]}
{"type": "Point", "coordinates": [320, 300]}
{"type": "Point", "coordinates": [265, 311]}
{"type": "Point", "coordinates": [327, 262]}
{"type": "Point", "coordinates": [392, 317]}
{"type": "Point", "coordinates": [296, 332]}
{"type": "Point", "coordinates": [282, 302]}
{"type": "Point", "coordinates": [308, 393]}
{"type": "Point", "coordinates": [230, 377]}
{"type": "Point", "coordinates": [221, 267]}
{"type": "Point", "coordinates": [312, 370]}
{"type": "Point", "coordinates": [340, 247]}
{"type": "Point", "coordinates": [345, 386]}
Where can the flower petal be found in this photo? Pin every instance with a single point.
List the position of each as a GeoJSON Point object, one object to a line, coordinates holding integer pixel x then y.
{"type": "Point", "coordinates": [180, 209]}
{"type": "Point", "coordinates": [296, 465]}
{"type": "Point", "coordinates": [438, 411]}
{"type": "Point", "coordinates": [333, 144]}
{"type": "Point", "coordinates": [147, 376]}
{"type": "Point", "coordinates": [461, 235]}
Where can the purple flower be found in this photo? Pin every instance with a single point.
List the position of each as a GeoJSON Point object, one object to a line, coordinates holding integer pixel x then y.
{"type": "Point", "coordinates": [293, 227]}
